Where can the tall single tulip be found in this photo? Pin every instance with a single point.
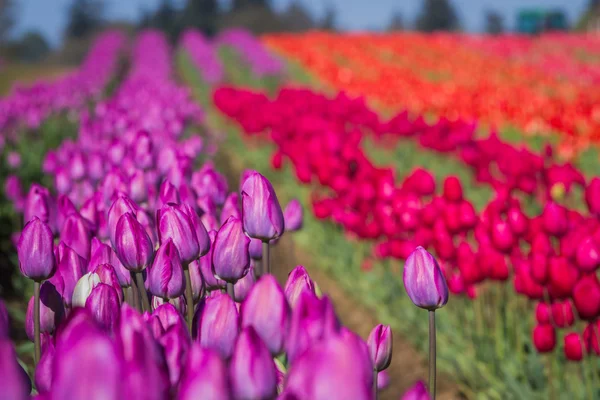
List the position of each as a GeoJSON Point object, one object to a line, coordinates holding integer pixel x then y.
{"type": "Point", "coordinates": [252, 369]}
{"type": "Point", "coordinates": [121, 205]}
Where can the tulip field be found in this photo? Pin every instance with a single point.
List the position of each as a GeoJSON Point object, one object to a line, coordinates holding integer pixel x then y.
{"type": "Point", "coordinates": [304, 217]}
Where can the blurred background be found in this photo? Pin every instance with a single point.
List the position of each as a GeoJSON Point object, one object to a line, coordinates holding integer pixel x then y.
{"type": "Point", "coordinates": [59, 31]}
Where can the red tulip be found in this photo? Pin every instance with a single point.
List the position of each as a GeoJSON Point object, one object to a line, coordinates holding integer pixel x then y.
{"type": "Point", "coordinates": [544, 338]}
{"type": "Point", "coordinates": [586, 297]}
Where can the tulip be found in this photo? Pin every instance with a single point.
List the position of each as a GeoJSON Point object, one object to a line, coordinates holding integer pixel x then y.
{"type": "Point", "coordinates": [267, 311]}
{"type": "Point", "coordinates": [543, 313]}
{"type": "Point", "coordinates": [43, 371]}
{"type": "Point", "coordinates": [165, 277]}
{"type": "Point", "coordinates": [168, 193]}
{"type": "Point", "coordinates": [208, 182]}
{"type": "Point", "coordinates": [563, 277]}
{"type": "Point", "coordinates": [76, 233]}
{"type": "Point", "coordinates": [230, 208]}
{"type": "Point", "coordinates": [216, 324]}
{"type": "Point", "coordinates": [416, 392]}
{"type": "Point", "coordinates": [380, 347]}
{"type": "Point", "coordinates": [453, 189]}
{"type": "Point", "coordinates": [298, 282]}
{"type": "Point", "coordinates": [85, 352]}
{"type": "Point", "coordinates": [555, 219]}
{"type": "Point", "coordinates": [205, 375]}
{"type": "Point", "coordinates": [13, 380]}
{"type": "Point", "coordinates": [292, 216]}
{"type": "Point", "coordinates": [175, 343]}
{"type": "Point", "coordinates": [243, 286]}
{"type": "Point", "coordinates": [230, 256]}
{"type": "Point", "coordinates": [586, 297]}
{"type": "Point", "coordinates": [36, 251]}
{"type": "Point", "coordinates": [544, 338]}
{"type": "Point", "coordinates": [211, 282]}
{"type": "Point", "coordinates": [103, 304]}
{"type": "Point", "coordinates": [172, 222]}
{"type": "Point", "coordinates": [337, 367]}
{"type": "Point", "coordinates": [39, 203]}
{"type": "Point", "coordinates": [108, 276]}
{"type": "Point", "coordinates": [588, 255]}
{"type": "Point", "coordinates": [14, 192]}
{"type": "Point", "coordinates": [201, 233]}
{"type": "Point", "coordinates": [573, 347]}
{"type": "Point", "coordinates": [71, 268]}
{"type": "Point", "coordinates": [83, 288]}
{"type": "Point", "coordinates": [66, 208]}
{"type": "Point", "coordinates": [197, 280]}
{"type": "Point", "coordinates": [562, 314]}
{"type": "Point", "coordinates": [179, 303]}
{"type": "Point", "coordinates": [261, 212]}
{"type": "Point", "coordinates": [313, 319]}
{"type": "Point", "coordinates": [502, 236]}
{"type": "Point", "coordinates": [138, 187]}
{"type": "Point", "coordinates": [426, 286]}
{"type": "Point", "coordinates": [121, 206]}
{"type": "Point", "coordinates": [255, 249]}
{"type": "Point", "coordinates": [252, 369]}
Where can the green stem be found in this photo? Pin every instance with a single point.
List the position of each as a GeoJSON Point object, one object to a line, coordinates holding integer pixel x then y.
{"type": "Point", "coordinates": [189, 298]}
{"type": "Point", "coordinates": [142, 291]}
{"type": "Point", "coordinates": [231, 290]}
{"type": "Point", "coordinates": [432, 358]}
{"type": "Point", "coordinates": [36, 322]}
{"type": "Point", "coordinates": [128, 295]}
{"type": "Point", "coordinates": [375, 391]}
{"type": "Point", "coordinates": [266, 256]}
{"type": "Point", "coordinates": [135, 294]}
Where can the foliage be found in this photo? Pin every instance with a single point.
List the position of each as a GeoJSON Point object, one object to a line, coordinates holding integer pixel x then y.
{"type": "Point", "coordinates": [437, 15]}
{"type": "Point", "coordinates": [494, 23]}
{"type": "Point", "coordinates": [84, 17]}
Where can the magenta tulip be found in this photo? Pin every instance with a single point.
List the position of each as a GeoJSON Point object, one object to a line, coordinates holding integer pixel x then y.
{"type": "Point", "coordinates": [172, 222]}
{"type": "Point", "coordinates": [292, 216]}
{"type": "Point", "coordinates": [261, 212]}
{"type": "Point", "coordinates": [380, 347]}
{"type": "Point", "coordinates": [205, 376]}
{"type": "Point", "coordinates": [165, 277]}
{"type": "Point", "coordinates": [230, 256]}
{"type": "Point", "coordinates": [36, 251]}
{"type": "Point", "coordinates": [133, 245]}
{"type": "Point", "coordinates": [424, 281]}
{"type": "Point", "coordinates": [216, 324]}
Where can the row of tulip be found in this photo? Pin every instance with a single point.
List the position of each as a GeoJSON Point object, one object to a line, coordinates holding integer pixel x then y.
{"type": "Point", "coordinates": [260, 61]}
{"type": "Point", "coordinates": [551, 258]}
{"type": "Point", "coordinates": [469, 84]}
{"type": "Point", "coordinates": [29, 106]}
{"type": "Point", "coordinates": [113, 257]}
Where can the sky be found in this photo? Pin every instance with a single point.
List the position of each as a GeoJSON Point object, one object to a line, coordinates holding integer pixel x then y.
{"type": "Point", "coordinates": [49, 16]}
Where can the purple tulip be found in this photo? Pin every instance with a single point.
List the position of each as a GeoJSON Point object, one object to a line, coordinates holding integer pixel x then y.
{"type": "Point", "coordinates": [175, 342]}
{"type": "Point", "coordinates": [313, 319]}
{"type": "Point", "coordinates": [76, 234]}
{"type": "Point", "coordinates": [380, 347]}
{"type": "Point", "coordinates": [243, 286]}
{"type": "Point", "coordinates": [208, 182]}
{"type": "Point", "coordinates": [39, 203]}
{"type": "Point", "coordinates": [216, 323]}
{"type": "Point", "coordinates": [168, 193]}
{"type": "Point", "coordinates": [43, 369]}
{"type": "Point", "coordinates": [201, 233]}
{"type": "Point", "coordinates": [211, 282]}
{"type": "Point", "coordinates": [230, 256]}
{"type": "Point", "coordinates": [71, 267]}
{"type": "Point", "coordinates": [85, 352]}
{"type": "Point", "coordinates": [383, 380]}
{"type": "Point", "coordinates": [104, 254]}
{"type": "Point", "coordinates": [267, 311]}
{"type": "Point", "coordinates": [138, 187]}
{"type": "Point", "coordinates": [13, 380]}
{"type": "Point", "coordinates": [103, 304]}
{"type": "Point", "coordinates": [14, 192]}
{"type": "Point", "coordinates": [298, 282]}
{"type": "Point", "coordinates": [65, 209]}
{"type": "Point", "coordinates": [142, 149]}
{"type": "Point", "coordinates": [52, 310]}
{"type": "Point", "coordinates": [62, 180]}
{"type": "Point", "coordinates": [173, 223]}
{"type": "Point", "coordinates": [122, 205]}
{"type": "Point", "coordinates": [165, 277]}
{"type": "Point", "coordinates": [95, 168]}
{"type": "Point", "coordinates": [230, 208]}
{"type": "Point", "coordinates": [261, 212]}
{"type": "Point", "coordinates": [179, 303]}
{"type": "Point", "coordinates": [90, 211]}
{"type": "Point", "coordinates": [338, 367]}
{"type": "Point", "coordinates": [148, 223]}
{"type": "Point", "coordinates": [133, 245]}
{"type": "Point", "coordinates": [252, 369]}
{"type": "Point", "coordinates": [36, 251]}
{"type": "Point", "coordinates": [424, 281]}
{"type": "Point", "coordinates": [292, 216]}
{"type": "Point", "coordinates": [255, 249]}
{"type": "Point", "coordinates": [205, 376]}
{"type": "Point", "coordinates": [108, 276]}
{"type": "Point", "coordinates": [417, 392]}
{"type": "Point", "coordinates": [197, 280]}
{"type": "Point", "coordinates": [145, 372]}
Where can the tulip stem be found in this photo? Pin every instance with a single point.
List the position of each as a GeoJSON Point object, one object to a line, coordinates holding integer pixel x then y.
{"type": "Point", "coordinates": [432, 354]}
{"type": "Point", "coordinates": [129, 296]}
{"type": "Point", "coordinates": [36, 322]}
{"type": "Point", "coordinates": [142, 291]}
{"type": "Point", "coordinates": [266, 257]}
{"type": "Point", "coordinates": [189, 297]}
{"type": "Point", "coordinates": [135, 294]}
{"type": "Point", "coordinates": [231, 290]}
{"type": "Point", "coordinates": [375, 391]}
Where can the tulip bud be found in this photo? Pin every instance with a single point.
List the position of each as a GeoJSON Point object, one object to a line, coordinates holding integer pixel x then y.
{"type": "Point", "coordinates": [205, 373]}
{"type": "Point", "coordinates": [175, 343]}
{"type": "Point", "coordinates": [255, 249]}
{"type": "Point", "coordinates": [36, 251]}
{"type": "Point", "coordinates": [66, 208]}
{"type": "Point", "coordinates": [555, 219]}
{"type": "Point", "coordinates": [104, 254]}
{"type": "Point", "coordinates": [108, 276]}
{"type": "Point", "coordinates": [563, 277]}
{"type": "Point", "coordinates": [517, 221]}
{"type": "Point", "coordinates": [201, 233]}
{"type": "Point", "coordinates": [243, 286]}
{"type": "Point", "coordinates": [138, 187]}
{"type": "Point", "coordinates": [573, 347]}
{"type": "Point", "coordinates": [380, 347]}
{"type": "Point", "coordinates": [211, 282]}
{"type": "Point", "coordinates": [267, 311]}
{"type": "Point", "coordinates": [252, 370]}
{"type": "Point", "coordinates": [122, 205]}
{"type": "Point", "coordinates": [261, 212]}
{"type": "Point", "coordinates": [588, 255]}
{"type": "Point", "coordinates": [542, 313]}
{"type": "Point", "coordinates": [197, 280]}
{"type": "Point", "coordinates": [103, 304]}
{"type": "Point", "coordinates": [230, 256]}
{"type": "Point", "coordinates": [52, 310]}
{"type": "Point", "coordinates": [424, 281]}
{"type": "Point", "coordinates": [312, 320]}
{"type": "Point", "coordinates": [544, 338]}
{"type": "Point", "coordinates": [502, 236]}
{"type": "Point", "coordinates": [83, 288]}
{"type": "Point", "coordinates": [133, 245]}
{"type": "Point", "coordinates": [173, 223]}
{"type": "Point", "coordinates": [165, 278]}
{"type": "Point", "coordinates": [208, 182]}
{"type": "Point", "coordinates": [453, 189]}
{"type": "Point", "coordinates": [562, 314]}
{"type": "Point", "coordinates": [168, 193]}
{"type": "Point", "coordinates": [292, 216]}
{"type": "Point", "coordinates": [417, 392]}
{"type": "Point", "coordinates": [298, 282]}
{"type": "Point", "coordinates": [586, 297]}
{"type": "Point", "coordinates": [13, 380]}
{"type": "Point", "coordinates": [71, 268]}
{"type": "Point", "coordinates": [76, 234]}
{"type": "Point", "coordinates": [39, 203]}
{"type": "Point", "coordinates": [43, 370]}
{"type": "Point", "coordinates": [216, 323]}
{"type": "Point", "coordinates": [230, 208]}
